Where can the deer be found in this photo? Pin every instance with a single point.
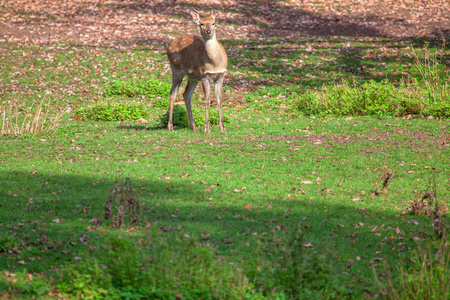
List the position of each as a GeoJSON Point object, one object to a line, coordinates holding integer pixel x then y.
{"type": "Point", "coordinates": [200, 59]}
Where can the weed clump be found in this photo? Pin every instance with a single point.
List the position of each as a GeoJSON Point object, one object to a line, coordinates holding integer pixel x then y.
{"type": "Point", "coordinates": [386, 176]}
{"type": "Point", "coordinates": [429, 206]}
{"type": "Point", "coordinates": [283, 267]}
{"type": "Point", "coordinates": [127, 206]}
{"type": "Point", "coordinates": [372, 98]}
{"type": "Point", "coordinates": [425, 278]}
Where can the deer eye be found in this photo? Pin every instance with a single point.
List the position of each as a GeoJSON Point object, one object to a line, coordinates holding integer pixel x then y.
{"type": "Point", "coordinates": [202, 24]}
{"type": "Point", "coordinates": [213, 24]}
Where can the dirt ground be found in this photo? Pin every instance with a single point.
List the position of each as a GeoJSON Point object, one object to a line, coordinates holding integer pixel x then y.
{"type": "Point", "coordinates": [136, 22]}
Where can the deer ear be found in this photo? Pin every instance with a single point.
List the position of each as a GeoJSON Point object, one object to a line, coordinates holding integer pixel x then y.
{"type": "Point", "coordinates": [212, 13]}
{"type": "Point", "coordinates": [196, 17]}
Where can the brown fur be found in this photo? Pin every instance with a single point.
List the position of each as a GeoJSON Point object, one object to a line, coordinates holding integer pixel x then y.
{"type": "Point", "coordinates": [200, 59]}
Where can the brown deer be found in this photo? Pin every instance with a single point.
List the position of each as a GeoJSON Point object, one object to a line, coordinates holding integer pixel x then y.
{"type": "Point", "coordinates": [199, 58]}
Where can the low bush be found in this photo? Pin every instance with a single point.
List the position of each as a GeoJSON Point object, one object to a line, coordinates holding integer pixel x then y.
{"type": "Point", "coordinates": [150, 88]}
{"type": "Point", "coordinates": [153, 89]}
{"type": "Point", "coordinates": [112, 112]}
{"type": "Point", "coordinates": [284, 267]}
{"type": "Point", "coordinates": [162, 270]}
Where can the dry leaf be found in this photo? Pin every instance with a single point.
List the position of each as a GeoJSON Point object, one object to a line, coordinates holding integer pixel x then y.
{"type": "Point", "coordinates": [306, 182]}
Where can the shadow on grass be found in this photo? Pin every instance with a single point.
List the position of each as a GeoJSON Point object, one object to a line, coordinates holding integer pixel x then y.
{"type": "Point", "coordinates": [49, 220]}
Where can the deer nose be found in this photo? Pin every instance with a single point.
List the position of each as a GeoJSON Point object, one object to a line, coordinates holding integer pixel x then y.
{"type": "Point", "coordinates": [208, 31]}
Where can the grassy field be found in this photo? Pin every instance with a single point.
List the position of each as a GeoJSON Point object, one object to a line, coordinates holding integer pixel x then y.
{"type": "Point", "coordinates": [282, 190]}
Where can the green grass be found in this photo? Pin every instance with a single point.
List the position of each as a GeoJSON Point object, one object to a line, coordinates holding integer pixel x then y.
{"type": "Point", "coordinates": [249, 201]}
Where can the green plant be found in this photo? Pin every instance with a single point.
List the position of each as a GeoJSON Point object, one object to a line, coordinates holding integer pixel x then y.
{"type": "Point", "coordinates": [84, 278]}
{"type": "Point", "coordinates": [434, 77]}
{"type": "Point", "coordinates": [370, 98]}
{"type": "Point", "coordinates": [150, 88]}
{"type": "Point", "coordinates": [168, 268]}
{"type": "Point", "coordinates": [112, 112]}
{"type": "Point", "coordinates": [6, 243]}
{"type": "Point", "coordinates": [181, 120]}
{"type": "Point", "coordinates": [285, 266]}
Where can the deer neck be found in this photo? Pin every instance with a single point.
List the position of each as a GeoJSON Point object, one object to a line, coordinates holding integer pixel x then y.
{"type": "Point", "coordinates": [217, 60]}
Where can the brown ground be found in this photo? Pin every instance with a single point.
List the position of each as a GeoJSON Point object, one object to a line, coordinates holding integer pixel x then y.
{"type": "Point", "coordinates": [131, 22]}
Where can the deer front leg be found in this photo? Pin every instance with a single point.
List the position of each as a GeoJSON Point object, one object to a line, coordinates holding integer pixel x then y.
{"type": "Point", "coordinates": [218, 92]}
{"type": "Point", "coordinates": [187, 100]}
{"type": "Point", "coordinates": [206, 92]}
{"type": "Point", "coordinates": [176, 81]}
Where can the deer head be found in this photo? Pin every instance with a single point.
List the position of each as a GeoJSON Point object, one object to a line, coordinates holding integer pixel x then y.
{"type": "Point", "coordinates": [207, 24]}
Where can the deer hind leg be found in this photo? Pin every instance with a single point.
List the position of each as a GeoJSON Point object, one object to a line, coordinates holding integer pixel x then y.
{"type": "Point", "coordinates": [206, 92]}
{"type": "Point", "coordinates": [187, 100]}
{"type": "Point", "coordinates": [218, 91]}
{"type": "Point", "coordinates": [177, 78]}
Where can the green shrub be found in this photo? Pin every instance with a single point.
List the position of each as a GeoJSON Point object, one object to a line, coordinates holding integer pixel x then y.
{"type": "Point", "coordinates": [371, 98]}
{"type": "Point", "coordinates": [150, 88]}
{"type": "Point", "coordinates": [153, 89]}
{"type": "Point", "coordinates": [7, 242]}
{"type": "Point", "coordinates": [113, 112]}
{"type": "Point", "coordinates": [285, 267]}
{"type": "Point", "coordinates": [128, 271]}
{"type": "Point", "coordinates": [181, 120]}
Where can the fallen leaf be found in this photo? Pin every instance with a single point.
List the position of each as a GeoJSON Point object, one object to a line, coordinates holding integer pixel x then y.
{"type": "Point", "coordinates": [306, 182]}
{"type": "Point", "coordinates": [95, 221]}
{"type": "Point", "coordinates": [205, 235]}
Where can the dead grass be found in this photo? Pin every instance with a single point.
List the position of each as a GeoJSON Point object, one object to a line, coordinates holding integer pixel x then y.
{"type": "Point", "coordinates": [17, 122]}
{"type": "Point", "coordinates": [122, 205]}
{"type": "Point", "coordinates": [428, 205]}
